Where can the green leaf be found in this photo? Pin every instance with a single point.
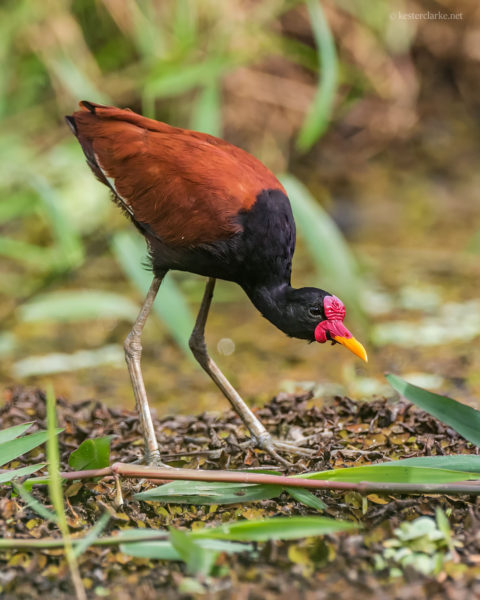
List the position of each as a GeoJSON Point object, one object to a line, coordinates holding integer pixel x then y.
{"type": "Point", "coordinates": [456, 462]}
{"type": "Point", "coordinates": [22, 472]}
{"type": "Point", "coordinates": [14, 448]}
{"type": "Point", "coordinates": [306, 497]}
{"type": "Point", "coordinates": [163, 550]}
{"type": "Point", "coordinates": [34, 504]}
{"type": "Point", "coordinates": [465, 420]}
{"type": "Point", "coordinates": [160, 550]}
{"type": "Point", "coordinates": [79, 305]}
{"type": "Point", "coordinates": [13, 432]}
{"type": "Point", "coordinates": [170, 304]}
{"type": "Point", "coordinates": [199, 492]}
{"type": "Point", "coordinates": [277, 528]}
{"type": "Point", "coordinates": [206, 115]}
{"type": "Point", "coordinates": [127, 535]}
{"type": "Point", "coordinates": [392, 474]}
{"type": "Point", "coordinates": [199, 560]}
{"type": "Point", "coordinates": [317, 119]}
{"type": "Point", "coordinates": [177, 79]}
{"type": "Point", "coordinates": [334, 262]}
{"type": "Point", "coordinates": [69, 246]}
{"type": "Point", "coordinates": [91, 454]}
{"type": "Point", "coordinates": [37, 256]}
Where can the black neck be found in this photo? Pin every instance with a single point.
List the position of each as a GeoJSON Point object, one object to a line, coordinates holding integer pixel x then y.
{"type": "Point", "coordinates": [274, 302]}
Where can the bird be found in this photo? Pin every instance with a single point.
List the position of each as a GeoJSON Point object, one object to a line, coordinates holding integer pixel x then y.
{"type": "Point", "coordinates": [207, 207]}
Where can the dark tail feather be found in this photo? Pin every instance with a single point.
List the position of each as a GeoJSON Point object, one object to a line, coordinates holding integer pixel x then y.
{"type": "Point", "coordinates": [71, 123]}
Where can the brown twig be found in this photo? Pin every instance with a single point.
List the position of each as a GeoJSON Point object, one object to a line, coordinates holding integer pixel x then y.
{"type": "Point", "coordinates": [364, 487]}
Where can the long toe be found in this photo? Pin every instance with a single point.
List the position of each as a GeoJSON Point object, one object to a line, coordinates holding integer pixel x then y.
{"type": "Point", "coordinates": [293, 448]}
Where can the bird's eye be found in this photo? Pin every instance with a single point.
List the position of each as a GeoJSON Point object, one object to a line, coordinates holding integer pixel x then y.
{"type": "Point", "coordinates": [315, 311]}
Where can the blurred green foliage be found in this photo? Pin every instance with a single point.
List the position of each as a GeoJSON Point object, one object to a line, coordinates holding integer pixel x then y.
{"type": "Point", "coordinates": [169, 60]}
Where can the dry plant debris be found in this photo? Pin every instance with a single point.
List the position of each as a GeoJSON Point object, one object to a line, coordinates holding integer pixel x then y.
{"type": "Point", "coordinates": [342, 433]}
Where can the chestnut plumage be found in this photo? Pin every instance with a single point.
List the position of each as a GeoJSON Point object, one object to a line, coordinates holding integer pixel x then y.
{"type": "Point", "coordinates": [206, 207]}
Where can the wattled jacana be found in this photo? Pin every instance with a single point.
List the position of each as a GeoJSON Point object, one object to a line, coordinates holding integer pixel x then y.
{"type": "Point", "coordinates": [207, 207]}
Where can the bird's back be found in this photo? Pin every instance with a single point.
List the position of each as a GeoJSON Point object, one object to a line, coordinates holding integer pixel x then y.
{"type": "Point", "coordinates": [187, 191]}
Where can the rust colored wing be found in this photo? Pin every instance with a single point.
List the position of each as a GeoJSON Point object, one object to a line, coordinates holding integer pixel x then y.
{"type": "Point", "coordinates": [186, 187]}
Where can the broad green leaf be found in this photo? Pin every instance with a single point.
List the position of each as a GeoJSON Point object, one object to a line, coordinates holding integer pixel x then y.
{"type": "Point", "coordinates": [15, 448]}
{"type": "Point", "coordinates": [13, 432]}
{"type": "Point", "coordinates": [170, 305]}
{"type": "Point", "coordinates": [91, 454]}
{"type": "Point", "coordinates": [392, 474]}
{"type": "Point", "coordinates": [306, 497]}
{"type": "Point", "coordinates": [464, 419]}
{"type": "Point", "coordinates": [334, 262]}
{"type": "Point", "coordinates": [199, 560]}
{"type": "Point", "coordinates": [79, 305]}
{"type": "Point", "coordinates": [199, 492]}
{"type": "Point", "coordinates": [317, 119]}
{"type": "Point", "coordinates": [455, 462]}
{"type": "Point", "coordinates": [277, 528]}
{"type": "Point", "coordinates": [11, 475]}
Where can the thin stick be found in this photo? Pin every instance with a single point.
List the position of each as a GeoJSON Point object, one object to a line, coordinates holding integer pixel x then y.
{"type": "Point", "coordinates": [365, 487]}
{"type": "Point", "coordinates": [48, 543]}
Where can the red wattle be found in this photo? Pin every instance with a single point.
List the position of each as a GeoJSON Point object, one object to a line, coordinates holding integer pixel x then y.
{"type": "Point", "coordinates": [332, 327]}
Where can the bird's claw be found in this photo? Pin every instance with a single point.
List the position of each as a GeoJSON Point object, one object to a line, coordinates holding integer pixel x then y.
{"type": "Point", "coordinates": [273, 447]}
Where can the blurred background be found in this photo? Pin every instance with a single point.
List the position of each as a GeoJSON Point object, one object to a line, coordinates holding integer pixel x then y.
{"type": "Point", "coordinates": [369, 111]}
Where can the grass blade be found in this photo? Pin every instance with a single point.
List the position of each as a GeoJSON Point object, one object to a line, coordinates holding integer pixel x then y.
{"type": "Point", "coordinates": [92, 535]}
{"type": "Point", "coordinates": [317, 119]}
{"type": "Point", "coordinates": [199, 560]}
{"type": "Point", "coordinates": [457, 462]}
{"type": "Point", "coordinates": [56, 493]}
{"type": "Point", "coordinates": [387, 473]}
{"type": "Point", "coordinates": [22, 472]}
{"type": "Point", "coordinates": [12, 433]}
{"type": "Point", "coordinates": [34, 504]}
{"type": "Point", "coordinates": [70, 248]}
{"type": "Point", "coordinates": [206, 115]}
{"type": "Point", "coordinates": [160, 550]}
{"type": "Point", "coordinates": [79, 305]}
{"type": "Point", "coordinates": [14, 448]}
{"type": "Point", "coordinates": [178, 79]}
{"type": "Point", "coordinates": [164, 550]}
{"type": "Point", "coordinates": [464, 419]}
{"type": "Point", "coordinates": [277, 528]}
{"type": "Point", "coordinates": [306, 497]}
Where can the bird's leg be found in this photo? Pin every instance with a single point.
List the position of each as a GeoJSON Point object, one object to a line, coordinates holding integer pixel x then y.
{"type": "Point", "coordinates": [133, 353]}
{"type": "Point", "coordinates": [197, 344]}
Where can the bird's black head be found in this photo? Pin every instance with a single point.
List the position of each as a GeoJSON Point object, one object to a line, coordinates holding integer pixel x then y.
{"type": "Point", "coordinates": [302, 310]}
{"type": "Point", "coordinates": [307, 313]}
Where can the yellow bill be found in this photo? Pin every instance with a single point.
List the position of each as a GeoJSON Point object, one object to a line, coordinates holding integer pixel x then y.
{"type": "Point", "coordinates": [353, 345]}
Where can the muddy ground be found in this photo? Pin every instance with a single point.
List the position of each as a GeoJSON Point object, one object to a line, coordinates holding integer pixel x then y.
{"type": "Point", "coordinates": [342, 433]}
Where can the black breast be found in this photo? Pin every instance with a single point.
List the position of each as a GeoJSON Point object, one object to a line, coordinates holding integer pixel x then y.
{"type": "Point", "coordinates": [259, 254]}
